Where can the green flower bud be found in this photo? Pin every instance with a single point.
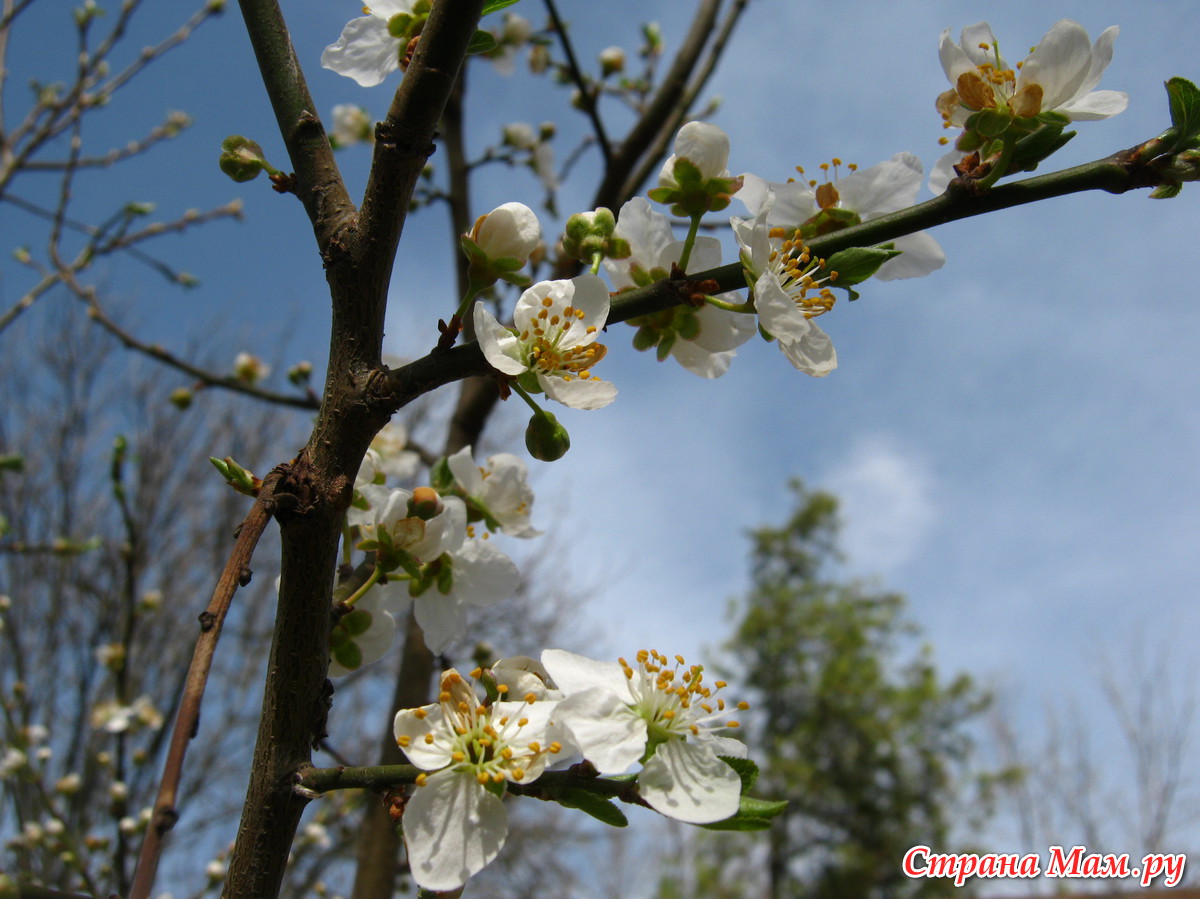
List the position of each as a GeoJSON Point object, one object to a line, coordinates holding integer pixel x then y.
{"type": "Point", "coordinates": [545, 438]}
{"type": "Point", "coordinates": [241, 158]}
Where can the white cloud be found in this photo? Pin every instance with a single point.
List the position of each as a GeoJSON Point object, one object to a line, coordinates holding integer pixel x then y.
{"type": "Point", "coordinates": [886, 502]}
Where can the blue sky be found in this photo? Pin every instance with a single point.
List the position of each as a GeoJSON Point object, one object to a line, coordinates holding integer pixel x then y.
{"type": "Point", "coordinates": [1014, 438]}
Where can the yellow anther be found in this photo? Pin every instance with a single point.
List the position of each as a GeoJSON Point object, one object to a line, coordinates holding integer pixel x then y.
{"type": "Point", "coordinates": [555, 747]}
{"type": "Point", "coordinates": [517, 773]}
{"type": "Point", "coordinates": [481, 777]}
{"type": "Point", "coordinates": [743, 706]}
{"type": "Point", "coordinates": [733, 724]}
{"type": "Point", "coordinates": [420, 714]}
{"type": "Point", "coordinates": [521, 722]}
{"type": "Point", "coordinates": [547, 302]}
{"type": "Point", "coordinates": [420, 779]}
{"type": "Point", "coordinates": [501, 689]}
{"type": "Point", "coordinates": [535, 747]}
{"type": "Point", "coordinates": [531, 697]}
{"type": "Point", "coordinates": [429, 739]}
{"type": "Point", "coordinates": [403, 741]}
{"type": "Point", "coordinates": [507, 752]}
{"type": "Point", "coordinates": [458, 756]}
{"type": "Point", "coordinates": [475, 673]}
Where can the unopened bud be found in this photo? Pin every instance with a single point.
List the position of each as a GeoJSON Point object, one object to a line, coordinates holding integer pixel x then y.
{"type": "Point", "coordinates": [612, 61]}
{"type": "Point", "coordinates": [241, 158]}
{"type": "Point", "coordinates": [300, 373]}
{"type": "Point", "coordinates": [545, 438]}
{"type": "Point", "coordinates": [181, 397]}
{"type": "Point", "coordinates": [425, 503]}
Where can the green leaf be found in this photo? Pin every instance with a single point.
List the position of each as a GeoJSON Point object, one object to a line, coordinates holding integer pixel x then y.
{"type": "Point", "coordinates": [481, 42]}
{"type": "Point", "coordinates": [761, 808]}
{"type": "Point", "coordinates": [597, 806]}
{"type": "Point", "coordinates": [752, 814]}
{"type": "Point", "coordinates": [857, 264]}
{"type": "Point", "coordinates": [742, 824]}
{"type": "Point", "coordinates": [1184, 99]}
{"type": "Point", "coordinates": [493, 5]}
{"type": "Point", "coordinates": [745, 768]}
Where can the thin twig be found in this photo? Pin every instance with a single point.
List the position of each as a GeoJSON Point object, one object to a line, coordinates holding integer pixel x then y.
{"type": "Point", "coordinates": [187, 722]}
{"type": "Point", "coordinates": [587, 96]}
{"type": "Point", "coordinates": [654, 155]}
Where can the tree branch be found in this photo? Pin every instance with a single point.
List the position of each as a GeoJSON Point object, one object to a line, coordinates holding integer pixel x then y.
{"type": "Point", "coordinates": [319, 183]}
{"type": "Point", "coordinates": [236, 573]}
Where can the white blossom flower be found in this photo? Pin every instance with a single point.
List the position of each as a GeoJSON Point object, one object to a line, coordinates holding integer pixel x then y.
{"type": "Point", "coordinates": [363, 635]}
{"type": "Point", "coordinates": [519, 135]}
{"type": "Point", "coordinates": [1059, 75]}
{"type": "Point", "coordinates": [351, 125]}
{"type": "Point", "coordinates": [514, 35]}
{"type": "Point", "coordinates": [455, 572]}
{"type": "Point", "coordinates": [510, 231]}
{"type": "Point", "coordinates": [704, 145]}
{"type": "Point", "coordinates": [783, 285]}
{"type": "Point", "coordinates": [654, 248]}
{"type": "Point", "coordinates": [616, 714]}
{"type": "Point", "coordinates": [249, 368]}
{"type": "Point", "coordinates": [395, 461]}
{"type": "Point", "coordinates": [557, 324]}
{"type": "Point", "coordinates": [116, 718]}
{"type": "Point", "coordinates": [455, 824]}
{"type": "Point", "coordinates": [857, 197]}
{"type": "Point", "coordinates": [501, 490]}
{"type": "Point", "coordinates": [14, 760]}
{"type": "Point", "coordinates": [366, 50]}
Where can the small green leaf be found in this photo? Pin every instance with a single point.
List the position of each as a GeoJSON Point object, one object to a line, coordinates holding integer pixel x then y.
{"type": "Point", "coordinates": [745, 768]}
{"type": "Point", "coordinates": [1184, 99]}
{"type": "Point", "coordinates": [742, 824]}
{"type": "Point", "coordinates": [597, 806]}
{"type": "Point", "coordinates": [492, 6]}
{"type": "Point", "coordinates": [481, 42]}
{"type": "Point", "coordinates": [857, 264]}
{"type": "Point", "coordinates": [752, 814]}
{"type": "Point", "coordinates": [760, 808]}
{"type": "Point", "coordinates": [1166, 191]}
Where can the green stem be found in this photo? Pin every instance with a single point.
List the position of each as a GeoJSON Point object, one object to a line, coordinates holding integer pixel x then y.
{"type": "Point", "coordinates": [747, 307]}
{"type": "Point", "coordinates": [689, 242]}
{"type": "Point", "coordinates": [597, 258]}
{"type": "Point", "coordinates": [473, 291]}
{"type": "Point", "coordinates": [1000, 166]}
{"type": "Point", "coordinates": [520, 391]}
{"type": "Point", "coordinates": [373, 579]}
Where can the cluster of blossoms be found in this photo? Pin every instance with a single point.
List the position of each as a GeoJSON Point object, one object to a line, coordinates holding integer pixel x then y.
{"type": "Point", "coordinates": [503, 728]}
{"type": "Point", "coordinates": [431, 546]}
{"type": "Point", "coordinates": [1012, 118]}
{"type": "Point", "coordinates": [531, 717]}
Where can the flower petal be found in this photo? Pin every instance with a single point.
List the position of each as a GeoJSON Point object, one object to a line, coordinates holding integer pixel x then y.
{"type": "Point", "coordinates": [592, 393]}
{"type": "Point", "coordinates": [1059, 63]}
{"type": "Point", "coordinates": [499, 345]}
{"type": "Point", "coordinates": [453, 828]}
{"type": "Point", "coordinates": [572, 673]}
{"type": "Point", "coordinates": [686, 781]}
{"type": "Point", "coordinates": [364, 51]}
{"type": "Point", "coordinates": [610, 734]}
{"type": "Point", "coordinates": [483, 574]}
{"type": "Point", "coordinates": [920, 255]}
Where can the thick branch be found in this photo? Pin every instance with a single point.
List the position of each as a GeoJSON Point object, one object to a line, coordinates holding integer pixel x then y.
{"type": "Point", "coordinates": [318, 182]}
{"type": "Point", "coordinates": [359, 397]}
